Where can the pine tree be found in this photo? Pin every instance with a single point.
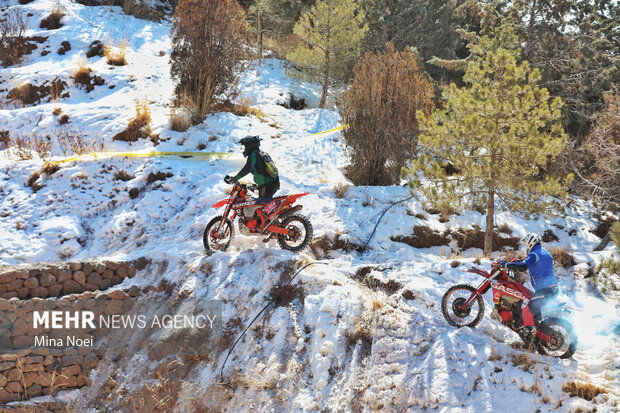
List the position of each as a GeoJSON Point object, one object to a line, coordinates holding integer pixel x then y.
{"type": "Point", "coordinates": [493, 136]}
{"type": "Point", "coordinates": [331, 32]}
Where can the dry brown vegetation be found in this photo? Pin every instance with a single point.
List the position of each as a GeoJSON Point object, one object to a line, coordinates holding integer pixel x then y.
{"type": "Point", "coordinates": [340, 190]}
{"type": "Point", "coordinates": [13, 44]}
{"type": "Point", "coordinates": [29, 94]}
{"type": "Point", "coordinates": [321, 246]}
{"type": "Point", "coordinates": [562, 257]}
{"type": "Point", "coordinates": [138, 127]}
{"type": "Point", "coordinates": [53, 20]}
{"type": "Point", "coordinates": [584, 389]}
{"type": "Point", "coordinates": [381, 140]}
{"type": "Point", "coordinates": [72, 141]}
{"type": "Point", "coordinates": [204, 63]}
{"type": "Point", "coordinates": [82, 75]}
{"type": "Point", "coordinates": [180, 119]}
{"type": "Point", "coordinates": [115, 52]}
{"type": "Point", "coordinates": [424, 237]}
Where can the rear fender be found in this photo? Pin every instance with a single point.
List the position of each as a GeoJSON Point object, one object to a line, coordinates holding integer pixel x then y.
{"type": "Point", "coordinates": [292, 198]}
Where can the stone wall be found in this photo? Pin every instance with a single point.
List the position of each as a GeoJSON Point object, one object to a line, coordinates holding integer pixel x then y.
{"type": "Point", "coordinates": [59, 279]}
{"type": "Point", "coordinates": [35, 372]}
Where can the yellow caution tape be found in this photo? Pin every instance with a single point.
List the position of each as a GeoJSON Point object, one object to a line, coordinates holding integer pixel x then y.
{"type": "Point", "coordinates": [331, 130]}
{"type": "Point", "coordinates": [213, 155]}
{"type": "Point", "coordinates": [95, 155]}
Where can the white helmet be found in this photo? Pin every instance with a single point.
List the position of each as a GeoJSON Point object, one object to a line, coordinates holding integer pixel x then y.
{"type": "Point", "coordinates": [529, 240]}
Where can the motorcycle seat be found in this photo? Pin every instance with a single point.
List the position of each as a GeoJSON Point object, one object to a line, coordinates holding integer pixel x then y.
{"type": "Point", "coordinates": [265, 201]}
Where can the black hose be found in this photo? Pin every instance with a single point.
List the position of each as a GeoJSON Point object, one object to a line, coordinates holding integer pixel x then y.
{"type": "Point", "coordinates": [273, 299]}
{"type": "Point", "coordinates": [363, 249]}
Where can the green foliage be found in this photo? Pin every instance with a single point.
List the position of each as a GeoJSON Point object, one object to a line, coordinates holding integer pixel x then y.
{"type": "Point", "coordinates": [331, 32]}
{"type": "Point", "coordinates": [280, 15]}
{"type": "Point", "coordinates": [435, 28]}
{"type": "Point", "coordinates": [493, 136]}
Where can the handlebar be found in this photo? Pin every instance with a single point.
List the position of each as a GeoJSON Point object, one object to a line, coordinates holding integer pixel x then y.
{"type": "Point", "coordinates": [231, 180]}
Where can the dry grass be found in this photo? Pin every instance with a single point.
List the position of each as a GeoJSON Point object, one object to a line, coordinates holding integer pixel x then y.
{"type": "Point", "coordinates": [583, 388]}
{"type": "Point", "coordinates": [281, 44]}
{"type": "Point", "coordinates": [115, 52]}
{"type": "Point", "coordinates": [24, 145]}
{"type": "Point", "coordinates": [563, 257]}
{"type": "Point", "coordinates": [81, 74]}
{"type": "Point", "coordinates": [340, 190]}
{"type": "Point", "coordinates": [180, 119]}
{"type": "Point", "coordinates": [525, 360]}
{"type": "Point", "coordinates": [53, 20]}
{"type": "Point", "coordinates": [139, 126]}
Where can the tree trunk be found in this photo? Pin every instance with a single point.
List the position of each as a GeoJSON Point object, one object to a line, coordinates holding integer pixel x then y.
{"type": "Point", "coordinates": [260, 36]}
{"type": "Point", "coordinates": [488, 236]}
{"type": "Point", "coordinates": [323, 101]}
{"type": "Point", "coordinates": [601, 246]}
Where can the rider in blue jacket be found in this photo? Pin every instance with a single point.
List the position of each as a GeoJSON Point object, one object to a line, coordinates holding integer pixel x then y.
{"type": "Point", "coordinates": [540, 265]}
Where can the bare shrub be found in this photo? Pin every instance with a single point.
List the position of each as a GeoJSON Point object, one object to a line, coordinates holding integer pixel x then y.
{"type": "Point", "coordinates": [180, 119]}
{"type": "Point", "coordinates": [138, 127]}
{"type": "Point", "coordinates": [29, 94]}
{"type": "Point", "coordinates": [115, 52]}
{"type": "Point", "coordinates": [82, 75]}
{"type": "Point", "coordinates": [204, 62]}
{"type": "Point", "coordinates": [562, 257]}
{"type": "Point", "coordinates": [380, 108]}
{"type": "Point", "coordinates": [598, 166]}
{"type": "Point", "coordinates": [12, 28]}
{"type": "Point", "coordinates": [53, 20]}
{"type": "Point", "coordinates": [73, 141]}
{"type": "Point", "coordinates": [340, 190]}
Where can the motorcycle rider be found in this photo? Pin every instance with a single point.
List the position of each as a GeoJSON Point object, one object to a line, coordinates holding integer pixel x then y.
{"type": "Point", "coordinates": [539, 262]}
{"type": "Point", "coordinates": [263, 169]}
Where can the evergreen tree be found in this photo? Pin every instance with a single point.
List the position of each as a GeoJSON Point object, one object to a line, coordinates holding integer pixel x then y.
{"type": "Point", "coordinates": [331, 33]}
{"type": "Point", "coordinates": [493, 136]}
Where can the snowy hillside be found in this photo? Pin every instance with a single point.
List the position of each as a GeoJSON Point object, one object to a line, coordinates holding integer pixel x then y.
{"type": "Point", "coordinates": [362, 333]}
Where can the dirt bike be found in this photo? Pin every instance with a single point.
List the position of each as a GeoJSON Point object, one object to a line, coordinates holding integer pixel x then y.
{"type": "Point", "coordinates": [273, 217]}
{"type": "Point", "coordinates": [463, 305]}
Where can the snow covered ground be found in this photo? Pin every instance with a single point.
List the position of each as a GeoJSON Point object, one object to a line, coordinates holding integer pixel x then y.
{"type": "Point", "coordinates": [343, 346]}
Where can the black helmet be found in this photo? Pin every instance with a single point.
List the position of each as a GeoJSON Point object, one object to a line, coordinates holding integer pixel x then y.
{"type": "Point", "coordinates": [250, 140]}
{"type": "Point", "coordinates": [250, 143]}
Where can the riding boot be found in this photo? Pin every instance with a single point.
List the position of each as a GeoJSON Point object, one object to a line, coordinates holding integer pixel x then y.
{"type": "Point", "coordinates": [528, 335]}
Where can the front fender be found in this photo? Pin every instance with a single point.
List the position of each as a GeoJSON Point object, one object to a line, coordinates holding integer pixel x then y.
{"type": "Point", "coordinates": [221, 203]}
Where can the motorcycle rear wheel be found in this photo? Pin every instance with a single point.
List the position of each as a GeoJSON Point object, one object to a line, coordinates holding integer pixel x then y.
{"type": "Point", "coordinates": [213, 241]}
{"type": "Point", "coordinates": [302, 233]}
{"type": "Point", "coordinates": [454, 298]}
{"type": "Point", "coordinates": [563, 341]}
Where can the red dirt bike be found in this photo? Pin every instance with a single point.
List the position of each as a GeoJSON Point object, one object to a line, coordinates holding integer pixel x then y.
{"type": "Point", "coordinates": [463, 305]}
{"type": "Point", "coordinates": [273, 217]}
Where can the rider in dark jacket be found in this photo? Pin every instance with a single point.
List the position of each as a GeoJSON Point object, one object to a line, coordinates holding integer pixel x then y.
{"type": "Point", "coordinates": [267, 185]}
{"type": "Point", "coordinates": [539, 262]}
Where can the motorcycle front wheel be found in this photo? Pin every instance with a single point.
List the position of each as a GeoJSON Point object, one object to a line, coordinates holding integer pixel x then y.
{"type": "Point", "coordinates": [452, 302]}
{"type": "Point", "coordinates": [216, 237]}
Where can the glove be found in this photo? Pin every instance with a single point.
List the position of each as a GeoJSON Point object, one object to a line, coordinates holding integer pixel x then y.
{"type": "Point", "coordinates": [228, 179]}
{"type": "Point", "coordinates": [253, 187]}
{"type": "Point", "coordinates": [514, 267]}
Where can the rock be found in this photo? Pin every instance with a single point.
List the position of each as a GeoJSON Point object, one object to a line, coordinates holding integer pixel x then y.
{"type": "Point", "coordinates": [23, 292]}
{"type": "Point", "coordinates": [19, 327]}
{"type": "Point", "coordinates": [115, 280]}
{"type": "Point", "coordinates": [3, 380]}
{"type": "Point", "coordinates": [14, 387]}
{"type": "Point", "coordinates": [122, 270]}
{"type": "Point", "coordinates": [94, 278]}
{"type": "Point", "coordinates": [44, 379]}
{"type": "Point", "coordinates": [105, 284]}
{"type": "Point", "coordinates": [40, 292]}
{"type": "Point", "coordinates": [131, 271]}
{"type": "Point", "coordinates": [90, 361]}
{"type": "Point", "coordinates": [14, 285]}
{"type": "Point", "coordinates": [99, 267]}
{"type": "Point", "coordinates": [13, 375]}
{"type": "Point", "coordinates": [4, 365]}
{"type": "Point", "coordinates": [72, 370]}
{"type": "Point", "coordinates": [47, 279]}
{"type": "Point", "coordinates": [8, 295]}
{"type": "Point", "coordinates": [35, 390]}
{"type": "Point", "coordinates": [54, 290]}
{"type": "Point", "coordinates": [7, 276]}
{"type": "Point", "coordinates": [35, 272]}
{"type": "Point", "coordinates": [71, 287]}
{"type": "Point", "coordinates": [5, 305]}
{"type": "Point", "coordinates": [32, 367]}
{"type": "Point", "coordinates": [32, 283]}
{"type": "Point", "coordinates": [6, 397]}
{"type": "Point", "coordinates": [41, 351]}
{"type": "Point", "coordinates": [133, 291]}
{"type": "Point", "coordinates": [112, 265]}
{"type": "Point", "coordinates": [47, 361]}
{"type": "Point", "coordinates": [63, 275]}
{"type": "Point", "coordinates": [71, 360]}
{"type": "Point", "coordinates": [23, 342]}
{"type": "Point", "coordinates": [29, 379]}
{"type": "Point", "coordinates": [141, 263]}
{"type": "Point", "coordinates": [75, 266]}
{"type": "Point", "coordinates": [117, 295]}
{"type": "Point", "coordinates": [80, 277]}
{"type": "Point", "coordinates": [66, 381]}
{"type": "Point", "coordinates": [33, 359]}
{"type": "Point", "coordinates": [113, 307]}
{"type": "Point", "coordinates": [107, 274]}
{"type": "Point", "coordinates": [87, 267]}
{"type": "Point", "coordinates": [90, 286]}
